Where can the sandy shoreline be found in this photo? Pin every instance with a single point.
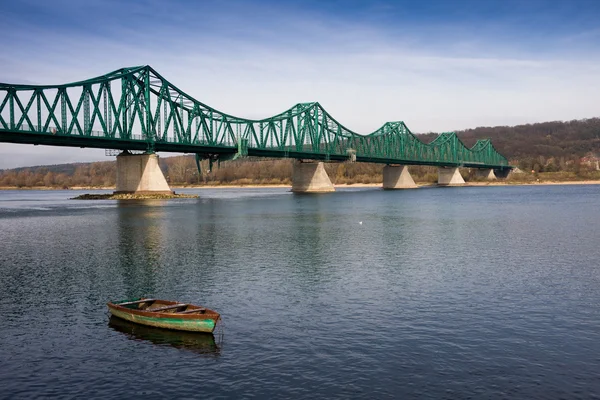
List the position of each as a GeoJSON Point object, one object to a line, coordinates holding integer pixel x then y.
{"type": "Point", "coordinates": [500, 183]}
{"type": "Point", "coordinates": [354, 185]}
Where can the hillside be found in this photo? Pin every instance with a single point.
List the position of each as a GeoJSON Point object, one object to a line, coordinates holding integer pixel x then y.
{"type": "Point", "coordinates": [568, 139]}
{"type": "Point", "coordinates": [548, 139]}
{"type": "Point", "coordinates": [543, 147]}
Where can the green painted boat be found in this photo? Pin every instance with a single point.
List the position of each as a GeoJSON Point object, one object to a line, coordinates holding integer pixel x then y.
{"type": "Point", "coordinates": [166, 314]}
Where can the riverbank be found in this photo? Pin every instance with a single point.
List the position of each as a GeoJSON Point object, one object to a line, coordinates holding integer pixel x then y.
{"type": "Point", "coordinates": [343, 185]}
{"type": "Point", "coordinates": [419, 184]}
{"type": "Point", "coordinates": [517, 183]}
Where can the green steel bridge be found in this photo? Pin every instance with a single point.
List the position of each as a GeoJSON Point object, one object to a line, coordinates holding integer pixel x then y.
{"type": "Point", "coordinates": [137, 109]}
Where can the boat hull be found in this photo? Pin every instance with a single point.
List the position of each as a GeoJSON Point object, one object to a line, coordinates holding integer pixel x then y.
{"type": "Point", "coordinates": [187, 323]}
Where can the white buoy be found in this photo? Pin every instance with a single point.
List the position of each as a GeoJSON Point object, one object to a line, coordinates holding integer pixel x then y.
{"type": "Point", "coordinates": [360, 222]}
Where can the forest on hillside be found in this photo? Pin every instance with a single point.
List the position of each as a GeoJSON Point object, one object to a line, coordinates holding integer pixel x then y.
{"type": "Point", "coordinates": [571, 146]}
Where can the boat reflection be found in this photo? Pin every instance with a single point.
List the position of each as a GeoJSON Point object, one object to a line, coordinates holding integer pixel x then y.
{"type": "Point", "coordinates": [199, 343]}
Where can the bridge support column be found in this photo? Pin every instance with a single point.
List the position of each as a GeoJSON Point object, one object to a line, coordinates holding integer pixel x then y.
{"type": "Point", "coordinates": [449, 177]}
{"type": "Point", "coordinates": [397, 177]}
{"type": "Point", "coordinates": [310, 177]}
{"type": "Point", "coordinates": [485, 173]}
{"type": "Point", "coordinates": [141, 174]}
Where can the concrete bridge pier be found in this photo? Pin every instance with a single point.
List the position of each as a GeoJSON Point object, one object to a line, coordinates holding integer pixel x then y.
{"type": "Point", "coordinates": [310, 177]}
{"type": "Point", "coordinates": [140, 174]}
{"type": "Point", "coordinates": [485, 173]}
{"type": "Point", "coordinates": [450, 176]}
{"type": "Point", "coordinates": [397, 177]}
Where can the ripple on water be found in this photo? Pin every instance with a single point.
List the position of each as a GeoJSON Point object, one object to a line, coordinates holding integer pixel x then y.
{"type": "Point", "coordinates": [481, 293]}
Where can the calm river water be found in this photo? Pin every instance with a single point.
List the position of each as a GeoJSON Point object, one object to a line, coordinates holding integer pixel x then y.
{"type": "Point", "coordinates": [489, 292]}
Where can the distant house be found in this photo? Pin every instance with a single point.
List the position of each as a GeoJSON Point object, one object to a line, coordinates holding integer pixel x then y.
{"type": "Point", "coordinates": [591, 161]}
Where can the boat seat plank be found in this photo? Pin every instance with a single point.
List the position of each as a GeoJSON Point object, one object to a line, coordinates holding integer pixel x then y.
{"type": "Point", "coordinates": [191, 311]}
{"type": "Point", "coordinates": [166, 307]}
{"type": "Point", "coordinates": [136, 302]}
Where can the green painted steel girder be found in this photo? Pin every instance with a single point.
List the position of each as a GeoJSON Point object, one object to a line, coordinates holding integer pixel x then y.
{"type": "Point", "coordinates": [137, 109]}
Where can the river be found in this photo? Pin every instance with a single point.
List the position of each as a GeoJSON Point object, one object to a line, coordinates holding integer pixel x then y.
{"type": "Point", "coordinates": [473, 292]}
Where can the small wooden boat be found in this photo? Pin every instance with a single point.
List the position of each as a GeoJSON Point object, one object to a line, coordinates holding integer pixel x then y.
{"type": "Point", "coordinates": [166, 314]}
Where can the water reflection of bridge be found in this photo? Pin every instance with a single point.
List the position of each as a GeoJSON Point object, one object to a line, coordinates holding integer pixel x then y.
{"type": "Point", "coordinates": [141, 231]}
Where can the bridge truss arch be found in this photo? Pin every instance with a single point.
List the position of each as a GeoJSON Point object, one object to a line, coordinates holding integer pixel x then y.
{"type": "Point", "coordinates": [138, 109]}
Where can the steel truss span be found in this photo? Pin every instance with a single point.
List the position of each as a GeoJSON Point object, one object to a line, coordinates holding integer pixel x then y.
{"type": "Point", "coordinates": [137, 109]}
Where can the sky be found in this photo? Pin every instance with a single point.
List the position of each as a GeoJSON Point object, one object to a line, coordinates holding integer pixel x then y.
{"type": "Point", "coordinates": [437, 65]}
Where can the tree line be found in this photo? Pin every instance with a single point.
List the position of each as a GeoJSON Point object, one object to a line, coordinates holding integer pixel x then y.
{"type": "Point", "coordinates": [568, 147]}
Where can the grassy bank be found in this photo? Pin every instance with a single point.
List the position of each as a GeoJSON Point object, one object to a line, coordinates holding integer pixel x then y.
{"type": "Point", "coordinates": [588, 177]}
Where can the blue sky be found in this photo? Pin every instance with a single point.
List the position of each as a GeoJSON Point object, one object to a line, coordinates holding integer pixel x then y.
{"type": "Point", "coordinates": [437, 65]}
